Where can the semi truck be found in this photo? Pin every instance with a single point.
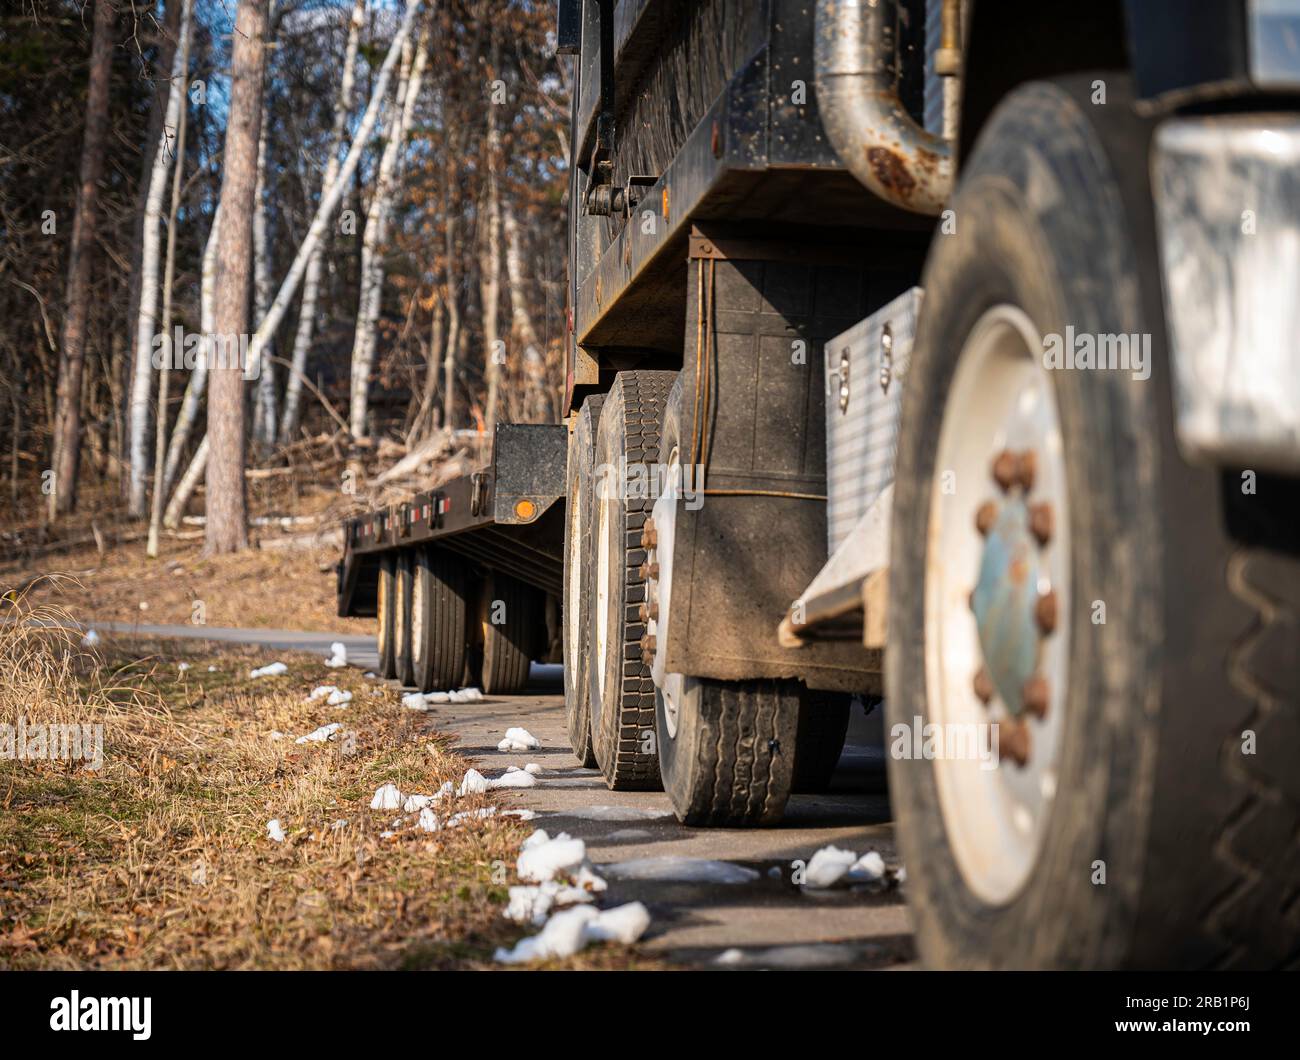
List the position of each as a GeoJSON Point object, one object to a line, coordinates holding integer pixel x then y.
{"type": "Point", "coordinates": [945, 352]}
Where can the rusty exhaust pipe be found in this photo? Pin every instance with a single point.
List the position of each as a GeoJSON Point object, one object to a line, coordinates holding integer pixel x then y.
{"type": "Point", "coordinates": [867, 124]}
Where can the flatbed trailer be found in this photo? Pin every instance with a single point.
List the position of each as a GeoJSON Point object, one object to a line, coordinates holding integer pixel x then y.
{"type": "Point", "coordinates": [501, 527]}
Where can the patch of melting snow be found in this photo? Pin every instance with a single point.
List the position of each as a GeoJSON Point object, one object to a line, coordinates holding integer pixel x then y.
{"type": "Point", "coordinates": [523, 815]}
{"type": "Point", "coordinates": [625, 835]}
{"type": "Point", "coordinates": [386, 797]}
{"type": "Point", "coordinates": [274, 832]}
{"type": "Point", "coordinates": [514, 778]}
{"type": "Point", "coordinates": [270, 670]}
{"type": "Point", "coordinates": [832, 867]}
{"type": "Point", "coordinates": [90, 639]}
{"type": "Point", "coordinates": [570, 930]}
{"type": "Point", "coordinates": [517, 739]}
{"type": "Point", "coordinates": [473, 783]}
{"type": "Point", "coordinates": [320, 691]}
{"type": "Point", "coordinates": [321, 735]}
{"type": "Point", "coordinates": [182, 667]}
{"type": "Point", "coordinates": [532, 903]}
{"type": "Point", "coordinates": [806, 955]}
{"type": "Point", "coordinates": [338, 655]}
{"type": "Point", "coordinates": [615, 813]}
{"type": "Point", "coordinates": [276, 734]}
{"type": "Point", "coordinates": [542, 858]}
{"type": "Point", "coordinates": [680, 870]}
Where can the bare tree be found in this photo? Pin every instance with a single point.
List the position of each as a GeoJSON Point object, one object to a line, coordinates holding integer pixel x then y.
{"type": "Point", "coordinates": [169, 281]}
{"type": "Point", "coordinates": [227, 513]}
{"type": "Point", "coordinates": [490, 260]}
{"type": "Point", "coordinates": [147, 321]}
{"type": "Point", "coordinates": [375, 236]}
{"type": "Point", "coordinates": [67, 435]}
{"type": "Point", "coordinates": [311, 283]}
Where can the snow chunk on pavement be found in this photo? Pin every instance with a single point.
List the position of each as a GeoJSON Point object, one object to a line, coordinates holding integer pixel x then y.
{"type": "Point", "coordinates": [274, 832]}
{"type": "Point", "coordinates": [828, 867]}
{"type": "Point", "coordinates": [870, 868]}
{"type": "Point", "coordinates": [386, 798]}
{"type": "Point", "coordinates": [541, 860]}
{"type": "Point", "coordinates": [514, 779]}
{"type": "Point", "coordinates": [680, 870]}
{"type": "Point", "coordinates": [338, 655]}
{"type": "Point", "coordinates": [517, 739]}
{"type": "Point", "coordinates": [474, 783]}
{"type": "Point", "coordinates": [532, 768]}
{"type": "Point", "coordinates": [272, 670]}
{"type": "Point", "coordinates": [414, 701]}
{"type": "Point", "coordinates": [568, 931]}
{"type": "Point", "coordinates": [321, 735]}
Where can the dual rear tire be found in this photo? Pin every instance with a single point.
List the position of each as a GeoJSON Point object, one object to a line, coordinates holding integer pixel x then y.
{"type": "Point", "coordinates": [427, 639]}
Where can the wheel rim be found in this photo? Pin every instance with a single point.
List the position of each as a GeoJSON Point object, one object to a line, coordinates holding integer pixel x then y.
{"type": "Point", "coordinates": [988, 642]}
{"type": "Point", "coordinates": [669, 688]}
{"type": "Point", "coordinates": [604, 527]}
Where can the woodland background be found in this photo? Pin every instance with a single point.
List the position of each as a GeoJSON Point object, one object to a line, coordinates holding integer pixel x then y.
{"type": "Point", "coordinates": [402, 165]}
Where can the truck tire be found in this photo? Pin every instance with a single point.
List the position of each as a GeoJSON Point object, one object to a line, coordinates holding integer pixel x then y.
{"type": "Point", "coordinates": [387, 614]}
{"type": "Point", "coordinates": [823, 724]}
{"type": "Point", "coordinates": [439, 612]}
{"type": "Point", "coordinates": [404, 583]}
{"type": "Point", "coordinates": [1122, 824]}
{"type": "Point", "coordinates": [726, 749]}
{"type": "Point", "coordinates": [509, 616]}
{"type": "Point", "coordinates": [621, 691]}
{"type": "Point", "coordinates": [577, 580]}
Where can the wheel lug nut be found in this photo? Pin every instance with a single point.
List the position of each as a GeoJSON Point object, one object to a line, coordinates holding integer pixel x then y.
{"type": "Point", "coordinates": [1006, 468]}
{"type": "Point", "coordinates": [983, 685]}
{"type": "Point", "coordinates": [985, 517]}
{"type": "Point", "coordinates": [1036, 696]}
{"type": "Point", "coordinates": [1041, 522]}
{"type": "Point", "coordinates": [649, 570]}
{"type": "Point", "coordinates": [1013, 740]}
{"type": "Point", "coordinates": [649, 536]}
{"type": "Point", "coordinates": [1027, 469]}
{"type": "Point", "coordinates": [1045, 612]}
{"type": "Point", "coordinates": [649, 612]}
{"type": "Point", "coordinates": [648, 642]}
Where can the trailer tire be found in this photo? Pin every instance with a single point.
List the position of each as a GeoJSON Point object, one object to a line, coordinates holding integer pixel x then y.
{"type": "Point", "coordinates": [509, 615]}
{"type": "Point", "coordinates": [386, 612]}
{"type": "Point", "coordinates": [578, 582]}
{"type": "Point", "coordinates": [439, 615]}
{"type": "Point", "coordinates": [823, 725]}
{"type": "Point", "coordinates": [621, 690]}
{"type": "Point", "coordinates": [1161, 844]}
{"type": "Point", "coordinates": [404, 582]}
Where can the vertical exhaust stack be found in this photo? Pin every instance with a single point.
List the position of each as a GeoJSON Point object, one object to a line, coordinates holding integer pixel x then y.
{"type": "Point", "coordinates": [867, 124]}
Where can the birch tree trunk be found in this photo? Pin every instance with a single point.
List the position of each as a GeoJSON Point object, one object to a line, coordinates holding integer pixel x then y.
{"type": "Point", "coordinates": [490, 265]}
{"type": "Point", "coordinates": [330, 200]}
{"type": "Point", "coordinates": [194, 388]}
{"type": "Point", "coordinates": [311, 283]}
{"type": "Point", "coordinates": [188, 484]}
{"type": "Point", "coordinates": [227, 514]}
{"type": "Point", "coordinates": [169, 279]}
{"type": "Point", "coordinates": [67, 434]}
{"type": "Point", "coordinates": [521, 323]}
{"type": "Point", "coordinates": [376, 234]}
{"type": "Point", "coordinates": [453, 301]}
{"type": "Point", "coordinates": [264, 417]}
{"type": "Point", "coordinates": [147, 321]}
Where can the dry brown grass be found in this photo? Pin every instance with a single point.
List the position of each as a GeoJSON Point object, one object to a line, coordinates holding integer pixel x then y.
{"type": "Point", "coordinates": [290, 588]}
{"type": "Point", "coordinates": [161, 859]}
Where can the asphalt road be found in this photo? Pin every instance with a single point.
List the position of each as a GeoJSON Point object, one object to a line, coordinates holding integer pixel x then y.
{"type": "Point", "coordinates": [717, 897]}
